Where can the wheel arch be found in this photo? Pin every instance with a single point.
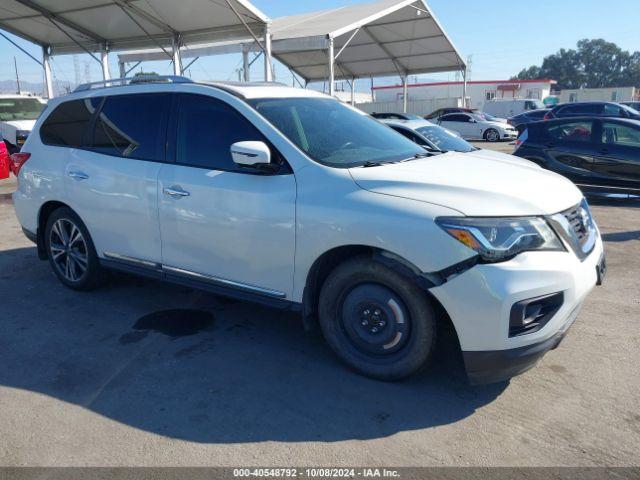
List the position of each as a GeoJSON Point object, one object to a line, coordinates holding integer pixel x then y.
{"type": "Point", "coordinates": [329, 260]}
{"type": "Point", "coordinates": [44, 213]}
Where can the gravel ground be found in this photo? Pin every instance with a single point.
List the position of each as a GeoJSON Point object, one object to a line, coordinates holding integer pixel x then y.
{"type": "Point", "coordinates": [87, 380]}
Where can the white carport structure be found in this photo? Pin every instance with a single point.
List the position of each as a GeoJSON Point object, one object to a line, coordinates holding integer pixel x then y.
{"type": "Point", "coordinates": [96, 27]}
{"type": "Point", "coordinates": [385, 38]}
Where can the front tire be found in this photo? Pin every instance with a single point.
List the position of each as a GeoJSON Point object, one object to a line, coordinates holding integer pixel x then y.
{"type": "Point", "coordinates": [377, 321]}
{"type": "Point", "coordinates": [492, 135]}
{"type": "Point", "coordinates": [71, 252]}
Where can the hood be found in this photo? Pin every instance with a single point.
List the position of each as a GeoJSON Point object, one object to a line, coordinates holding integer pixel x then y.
{"type": "Point", "coordinates": [473, 184]}
{"type": "Point", "coordinates": [21, 124]}
{"type": "Point", "coordinates": [497, 124]}
{"type": "Point", "coordinates": [502, 157]}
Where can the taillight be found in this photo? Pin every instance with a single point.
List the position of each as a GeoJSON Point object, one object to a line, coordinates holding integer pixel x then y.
{"type": "Point", "coordinates": [547, 116]}
{"type": "Point", "coordinates": [17, 161]}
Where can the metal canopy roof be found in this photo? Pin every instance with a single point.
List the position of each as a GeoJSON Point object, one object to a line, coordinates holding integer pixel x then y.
{"type": "Point", "coordinates": [66, 26]}
{"type": "Point", "coordinates": [389, 37]}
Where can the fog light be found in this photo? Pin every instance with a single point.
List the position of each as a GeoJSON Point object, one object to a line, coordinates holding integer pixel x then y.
{"type": "Point", "coordinates": [529, 316]}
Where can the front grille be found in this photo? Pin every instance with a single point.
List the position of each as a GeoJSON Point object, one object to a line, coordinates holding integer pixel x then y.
{"type": "Point", "coordinates": [577, 228]}
{"type": "Point", "coordinates": [579, 224]}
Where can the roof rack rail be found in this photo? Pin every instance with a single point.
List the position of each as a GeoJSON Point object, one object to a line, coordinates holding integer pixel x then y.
{"type": "Point", "coordinates": [121, 82]}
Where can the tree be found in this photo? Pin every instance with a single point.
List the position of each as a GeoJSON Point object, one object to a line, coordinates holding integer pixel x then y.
{"type": "Point", "coordinates": [594, 64]}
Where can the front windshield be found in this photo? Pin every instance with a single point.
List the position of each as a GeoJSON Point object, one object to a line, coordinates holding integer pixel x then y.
{"type": "Point", "coordinates": [334, 134]}
{"type": "Point", "coordinates": [20, 109]}
{"type": "Point", "coordinates": [445, 140]}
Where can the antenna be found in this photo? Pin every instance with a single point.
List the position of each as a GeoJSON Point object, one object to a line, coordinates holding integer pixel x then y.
{"type": "Point", "coordinates": [15, 64]}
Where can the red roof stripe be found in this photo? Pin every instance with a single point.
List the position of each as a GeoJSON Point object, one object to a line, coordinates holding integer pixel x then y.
{"type": "Point", "coordinates": [478, 82]}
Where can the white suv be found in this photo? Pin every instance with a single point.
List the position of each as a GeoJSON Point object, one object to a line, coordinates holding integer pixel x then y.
{"type": "Point", "coordinates": [290, 198]}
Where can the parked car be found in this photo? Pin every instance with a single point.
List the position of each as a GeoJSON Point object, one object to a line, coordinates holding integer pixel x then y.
{"type": "Point", "coordinates": [290, 198]}
{"type": "Point", "coordinates": [396, 116]}
{"type": "Point", "coordinates": [634, 105]}
{"type": "Point", "coordinates": [18, 114]}
{"type": "Point", "coordinates": [435, 116]}
{"type": "Point", "coordinates": [474, 126]}
{"type": "Point", "coordinates": [598, 154]}
{"type": "Point", "coordinates": [519, 121]}
{"type": "Point", "coordinates": [592, 109]}
{"type": "Point", "coordinates": [4, 162]}
{"type": "Point", "coordinates": [511, 108]}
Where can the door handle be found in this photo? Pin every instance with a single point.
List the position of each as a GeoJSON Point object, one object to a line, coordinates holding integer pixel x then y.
{"type": "Point", "coordinates": [176, 192]}
{"type": "Point", "coordinates": [78, 175]}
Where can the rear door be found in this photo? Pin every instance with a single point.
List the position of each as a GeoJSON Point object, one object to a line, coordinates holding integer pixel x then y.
{"type": "Point", "coordinates": [222, 224]}
{"type": "Point", "coordinates": [571, 145]}
{"type": "Point", "coordinates": [617, 160]}
{"type": "Point", "coordinates": [111, 181]}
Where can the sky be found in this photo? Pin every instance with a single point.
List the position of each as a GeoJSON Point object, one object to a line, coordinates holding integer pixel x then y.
{"type": "Point", "coordinates": [500, 37]}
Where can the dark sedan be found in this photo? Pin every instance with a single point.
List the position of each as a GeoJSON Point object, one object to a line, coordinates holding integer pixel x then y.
{"type": "Point", "coordinates": [519, 121]}
{"type": "Point", "coordinates": [592, 109]}
{"type": "Point", "coordinates": [600, 155]}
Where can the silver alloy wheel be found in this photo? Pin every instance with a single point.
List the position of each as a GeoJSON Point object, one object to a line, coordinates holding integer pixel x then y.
{"type": "Point", "coordinates": [68, 249]}
{"type": "Point", "coordinates": [493, 135]}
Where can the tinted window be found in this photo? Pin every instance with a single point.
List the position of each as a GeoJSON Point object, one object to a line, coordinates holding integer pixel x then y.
{"type": "Point", "coordinates": [581, 109]}
{"type": "Point", "coordinates": [571, 131]}
{"type": "Point", "coordinates": [206, 130]}
{"type": "Point", "coordinates": [412, 136]}
{"type": "Point", "coordinates": [445, 140]}
{"type": "Point", "coordinates": [67, 124]}
{"type": "Point", "coordinates": [455, 117]}
{"type": "Point", "coordinates": [617, 134]}
{"type": "Point", "coordinates": [613, 110]}
{"type": "Point", "coordinates": [132, 126]}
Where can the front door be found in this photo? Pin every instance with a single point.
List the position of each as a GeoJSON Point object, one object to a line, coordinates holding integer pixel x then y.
{"type": "Point", "coordinates": [617, 161]}
{"type": "Point", "coordinates": [461, 123]}
{"type": "Point", "coordinates": [222, 224]}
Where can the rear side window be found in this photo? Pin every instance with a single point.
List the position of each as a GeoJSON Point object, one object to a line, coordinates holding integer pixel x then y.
{"type": "Point", "coordinates": [571, 131]}
{"type": "Point", "coordinates": [455, 117]}
{"type": "Point", "coordinates": [132, 126]}
{"type": "Point", "coordinates": [206, 130]}
{"type": "Point", "coordinates": [68, 123]}
{"type": "Point", "coordinates": [581, 109]}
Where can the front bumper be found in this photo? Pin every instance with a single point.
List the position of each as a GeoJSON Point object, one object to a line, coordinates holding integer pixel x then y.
{"type": "Point", "coordinates": [479, 302]}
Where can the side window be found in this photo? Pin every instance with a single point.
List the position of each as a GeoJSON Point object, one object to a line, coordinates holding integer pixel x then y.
{"type": "Point", "coordinates": [617, 134]}
{"type": "Point", "coordinates": [132, 126]}
{"type": "Point", "coordinates": [613, 111]}
{"type": "Point", "coordinates": [68, 123]}
{"type": "Point", "coordinates": [207, 128]}
{"type": "Point", "coordinates": [410, 135]}
{"type": "Point", "coordinates": [571, 131]}
{"type": "Point", "coordinates": [455, 117]}
{"type": "Point", "coordinates": [581, 109]}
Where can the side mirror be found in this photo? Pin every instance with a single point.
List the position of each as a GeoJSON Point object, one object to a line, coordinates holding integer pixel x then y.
{"type": "Point", "coordinates": [251, 154]}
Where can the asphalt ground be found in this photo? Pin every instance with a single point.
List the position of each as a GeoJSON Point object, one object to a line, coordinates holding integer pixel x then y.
{"type": "Point", "coordinates": [107, 378]}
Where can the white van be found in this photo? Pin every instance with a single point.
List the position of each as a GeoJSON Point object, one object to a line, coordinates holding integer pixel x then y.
{"type": "Point", "coordinates": [288, 197]}
{"type": "Point", "coordinates": [511, 108]}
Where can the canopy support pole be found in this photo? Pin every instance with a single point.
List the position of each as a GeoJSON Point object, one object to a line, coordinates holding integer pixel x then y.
{"type": "Point", "coordinates": [268, 69]}
{"type": "Point", "coordinates": [104, 61]}
{"type": "Point", "coordinates": [464, 87]}
{"type": "Point", "coordinates": [122, 69]}
{"type": "Point", "coordinates": [405, 93]}
{"type": "Point", "coordinates": [46, 64]}
{"type": "Point", "coordinates": [246, 75]}
{"type": "Point", "coordinates": [353, 92]}
{"type": "Point", "coordinates": [176, 57]}
{"type": "Point", "coordinates": [332, 73]}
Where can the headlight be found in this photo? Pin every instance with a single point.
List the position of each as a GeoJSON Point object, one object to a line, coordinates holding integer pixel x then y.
{"type": "Point", "coordinates": [500, 239]}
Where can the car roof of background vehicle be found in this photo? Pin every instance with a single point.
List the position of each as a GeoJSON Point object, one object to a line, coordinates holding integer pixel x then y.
{"type": "Point", "coordinates": [555, 121]}
{"type": "Point", "coordinates": [411, 124]}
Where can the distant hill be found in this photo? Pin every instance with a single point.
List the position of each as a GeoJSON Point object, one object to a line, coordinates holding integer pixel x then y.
{"type": "Point", "coordinates": [10, 86]}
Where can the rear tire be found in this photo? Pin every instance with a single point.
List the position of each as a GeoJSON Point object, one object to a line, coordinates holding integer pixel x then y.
{"type": "Point", "coordinates": [492, 135]}
{"type": "Point", "coordinates": [377, 321]}
{"type": "Point", "coordinates": [71, 252]}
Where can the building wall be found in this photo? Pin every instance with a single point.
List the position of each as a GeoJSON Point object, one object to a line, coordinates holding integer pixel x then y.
{"type": "Point", "coordinates": [477, 92]}
{"type": "Point", "coordinates": [419, 107]}
{"type": "Point", "coordinates": [620, 94]}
